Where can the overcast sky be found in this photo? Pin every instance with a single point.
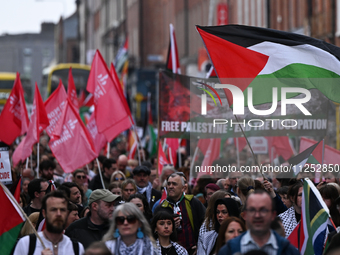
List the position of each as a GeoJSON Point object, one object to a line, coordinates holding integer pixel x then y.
{"type": "Point", "coordinates": [26, 16]}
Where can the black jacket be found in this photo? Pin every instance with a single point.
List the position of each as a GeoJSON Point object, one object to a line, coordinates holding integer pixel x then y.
{"type": "Point", "coordinates": [96, 183]}
{"type": "Point", "coordinates": [197, 210]}
{"type": "Point", "coordinates": [85, 232]}
{"type": "Point", "coordinates": [155, 196]}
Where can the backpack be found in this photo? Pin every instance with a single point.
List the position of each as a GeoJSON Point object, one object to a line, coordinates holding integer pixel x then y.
{"type": "Point", "coordinates": [33, 242]}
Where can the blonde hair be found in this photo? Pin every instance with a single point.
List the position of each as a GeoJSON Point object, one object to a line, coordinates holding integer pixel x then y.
{"type": "Point", "coordinates": [27, 229]}
{"type": "Point", "coordinates": [129, 209]}
{"type": "Point", "coordinates": [246, 186]}
{"type": "Point", "coordinates": [113, 175]}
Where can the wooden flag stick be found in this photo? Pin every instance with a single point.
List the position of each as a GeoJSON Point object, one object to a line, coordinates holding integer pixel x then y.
{"type": "Point", "coordinates": [9, 194]}
{"type": "Point", "coordinates": [100, 173]}
{"type": "Point", "coordinates": [135, 136]}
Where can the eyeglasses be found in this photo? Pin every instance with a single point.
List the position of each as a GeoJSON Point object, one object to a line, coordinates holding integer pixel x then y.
{"type": "Point", "coordinates": [168, 165]}
{"type": "Point", "coordinates": [81, 176]}
{"type": "Point", "coordinates": [131, 219]}
{"type": "Point", "coordinates": [119, 179]}
{"type": "Point", "coordinates": [252, 211]}
{"type": "Point", "coordinates": [43, 190]}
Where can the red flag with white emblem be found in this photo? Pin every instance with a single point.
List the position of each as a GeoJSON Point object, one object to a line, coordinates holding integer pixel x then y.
{"type": "Point", "coordinates": [54, 106]}
{"type": "Point", "coordinates": [71, 90]}
{"type": "Point", "coordinates": [99, 140]}
{"type": "Point", "coordinates": [14, 119]}
{"type": "Point", "coordinates": [38, 123]}
{"type": "Point", "coordinates": [110, 112]}
{"type": "Point", "coordinates": [71, 144]}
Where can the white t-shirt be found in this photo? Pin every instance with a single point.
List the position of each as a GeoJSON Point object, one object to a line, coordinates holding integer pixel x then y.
{"type": "Point", "coordinates": [64, 247]}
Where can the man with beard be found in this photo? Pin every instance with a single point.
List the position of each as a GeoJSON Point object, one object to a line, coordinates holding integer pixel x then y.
{"type": "Point", "coordinates": [54, 209]}
{"type": "Point", "coordinates": [46, 169]}
{"type": "Point", "coordinates": [96, 223]}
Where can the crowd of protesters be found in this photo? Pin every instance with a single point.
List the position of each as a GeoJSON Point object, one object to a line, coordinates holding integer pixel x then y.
{"type": "Point", "coordinates": [114, 205]}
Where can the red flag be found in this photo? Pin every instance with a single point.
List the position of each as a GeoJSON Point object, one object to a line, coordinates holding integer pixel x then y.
{"type": "Point", "coordinates": [211, 153]}
{"type": "Point", "coordinates": [88, 101]}
{"type": "Point", "coordinates": [71, 90]}
{"type": "Point", "coordinates": [161, 159]}
{"type": "Point", "coordinates": [81, 98]}
{"type": "Point", "coordinates": [281, 145]}
{"type": "Point", "coordinates": [173, 145]}
{"type": "Point", "coordinates": [107, 100]}
{"type": "Point", "coordinates": [297, 236]}
{"type": "Point", "coordinates": [252, 62]}
{"type": "Point", "coordinates": [331, 155]}
{"type": "Point", "coordinates": [99, 140]}
{"type": "Point", "coordinates": [116, 82]}
{"type": "Point", "coordinates": [173, 60]}
{"type": "Point", "coordinates": [14, 119]}
{"type": "Point", "coordinates": [18, 191]}
{"type": "Point", "coordinates": [242, 142]}
{"type": "Point", "coordinates": [70, 136]}
{"type": "Point", "coordinates": [38, 123]}
{"type": "Point", "coordinates": [54, 106]}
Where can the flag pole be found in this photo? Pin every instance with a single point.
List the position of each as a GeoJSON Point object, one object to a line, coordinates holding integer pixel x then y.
{"type": "Point", "coordinates": [38, 160]}
{"type": "Point", "coordinates": [237, 153]}
{"type": "Point", "coordinates": [134, 137]}
{"type": "Point", "coordinates": [179, 153]}
{"type": "Point", "coordinates": [170, 156]}
{"type": "Point", "coordinates": [27, 162]}
{"type": "Point", "coordinates": [164, 144]}
{"type": "Point", "coordinates": [100, 173]}
{"type": "Point", "coordinates": [23, 213]}
{"type": "Point", "coordinates": [108, 150]}
{"type": "Point", "coordinates": [192, 164]}
{"type": "Point", "coordinates": [323, 150]}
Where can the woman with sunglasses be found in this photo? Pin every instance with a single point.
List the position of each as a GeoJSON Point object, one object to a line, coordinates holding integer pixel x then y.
{"type": "Point", "coordinates": [163, 230]}
{"type": "Point", "coordinates": [129, 232]}
{"type": "Point", "coordinates": [117, 176]}
{"type": "Point", "coordinates": [224, 208]}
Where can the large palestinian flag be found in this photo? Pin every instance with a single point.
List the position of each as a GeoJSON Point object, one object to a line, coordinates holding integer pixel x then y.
{"type": "Point", "coordinates": [11, 221]}
{"type": "Point", "coordinates": [253, 53]}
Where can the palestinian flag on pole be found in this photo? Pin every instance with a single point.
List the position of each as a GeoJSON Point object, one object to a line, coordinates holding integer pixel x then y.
{"type": "Point", "coordinates": [11, 221]}
{"type": "Point", "coordinates": [252, 53]}
{"type": "Point", "coordinates": [301, 159]}
{"type": "Point", "coordinates": [310, 234]}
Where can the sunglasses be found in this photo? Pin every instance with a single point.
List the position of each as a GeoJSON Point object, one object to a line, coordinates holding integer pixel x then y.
{"type": "Point", "coordinates": [131, 219]}
{"type": "Point", "coordinates": [119, 179]}
{"type": "Point", "coordinates": [81, 177]}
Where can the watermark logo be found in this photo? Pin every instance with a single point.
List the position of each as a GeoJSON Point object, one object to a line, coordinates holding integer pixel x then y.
{"type": "Point", "coordinates": [204, 98]}
{"type": "Point", "coordinates": [238, 100]}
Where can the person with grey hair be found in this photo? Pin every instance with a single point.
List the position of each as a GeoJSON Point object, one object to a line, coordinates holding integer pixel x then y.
{"type": "Point", "coordinates": [129, 232]}
{"type": "Point", "coordinates": [188, 210]}
{"type": "Point", "coordinates": [166, 171]}
{"type": "Point", "coordinates": [220, 183]}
